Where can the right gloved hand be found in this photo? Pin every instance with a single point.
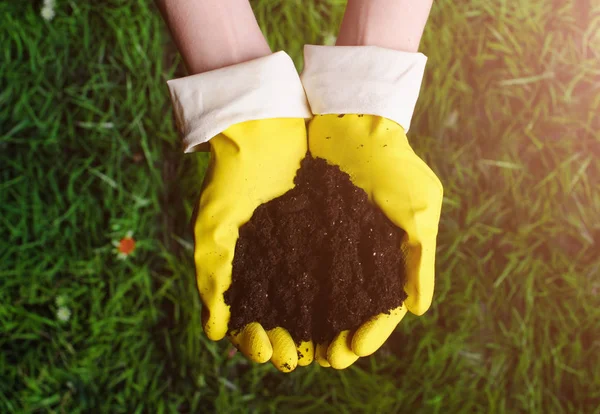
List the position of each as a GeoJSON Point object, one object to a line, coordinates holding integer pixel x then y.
{"type": "Point", "coordinates": [252, 116]}
{"type": "Point", "coordinates": [251, 163]}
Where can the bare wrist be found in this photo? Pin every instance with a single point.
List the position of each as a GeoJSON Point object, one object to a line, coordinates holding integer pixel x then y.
{"type": "Point", "coordinates": [214, 34]}
{"type": "Point", "coordinates": [392, 24]}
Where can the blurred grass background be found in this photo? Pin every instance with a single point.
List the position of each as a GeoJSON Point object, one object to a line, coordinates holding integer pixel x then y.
{"type": "Point", "coordinates": [508, 118]}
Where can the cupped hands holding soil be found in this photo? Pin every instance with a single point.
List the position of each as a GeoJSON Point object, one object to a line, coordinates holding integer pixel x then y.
{"type": "Point", "coordinates": [318, 260]}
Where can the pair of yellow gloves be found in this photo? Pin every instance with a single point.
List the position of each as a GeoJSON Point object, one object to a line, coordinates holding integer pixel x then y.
{"type": "Point", "coordinates": [256, 161]}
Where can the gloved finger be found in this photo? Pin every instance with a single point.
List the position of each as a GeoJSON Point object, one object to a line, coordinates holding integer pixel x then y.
{"type": "Point", "coordinates": [369, 337]}
{"type": "Point", "coordinates": [215, 322]}
{"type": "Point", "coordinates": [321, 355]}
{"type": "Point", "coordinates": [215, 312]}
{"type": "Point", "coordinates": [253, 342]}
{"type": "Point", "coordinates": [419, 219]}
{"type": "Point", "coordinates": [339, 353]}
{"type": "Point", "coordinates": [285, 357]}
{"type": "Point", "coordinates": [306, 353]}
{"type": "Point", "coordinates": [420, 274]}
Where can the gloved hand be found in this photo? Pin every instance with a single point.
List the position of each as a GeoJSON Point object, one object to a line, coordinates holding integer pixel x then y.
{"type": "Point", "coordinates": [252, 115]}
{"type": "Point", "coordinates": [251, 163]}
{"type": "Point", "coordinates": [376, 154]}
{"type": "Point", "coordinates": [374, 151]}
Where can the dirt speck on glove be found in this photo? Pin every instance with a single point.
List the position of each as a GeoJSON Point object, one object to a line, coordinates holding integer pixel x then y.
{"type": "Point", "coordinates": [318, 260]}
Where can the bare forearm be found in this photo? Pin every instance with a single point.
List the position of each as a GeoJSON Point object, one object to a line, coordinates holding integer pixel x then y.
{"type": "Point", "coordinates": [393, 24]}
{"type": "Point", "coordinates": [212, 34]}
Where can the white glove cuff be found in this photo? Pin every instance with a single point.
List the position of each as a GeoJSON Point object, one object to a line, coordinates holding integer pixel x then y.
{"type": "Point", "coordinates": [208, 103]}
{"type": "Point", "coordinates": [363, 80]}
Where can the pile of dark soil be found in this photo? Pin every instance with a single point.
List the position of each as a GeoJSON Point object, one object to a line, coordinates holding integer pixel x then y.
{"type": "Point", "coordinates": [318, 260]}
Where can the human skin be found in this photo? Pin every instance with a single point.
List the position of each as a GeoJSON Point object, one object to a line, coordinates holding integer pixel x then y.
{"type": "Point", "coordinates": [211, 34]}
{"type": "Point", "coordinates": [392, 24]}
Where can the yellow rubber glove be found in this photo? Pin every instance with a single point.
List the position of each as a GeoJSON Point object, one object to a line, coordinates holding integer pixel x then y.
{"type": "Point", "coordinates": [376, 154]}
{"type": "Point", "coordinates": [251, 163]}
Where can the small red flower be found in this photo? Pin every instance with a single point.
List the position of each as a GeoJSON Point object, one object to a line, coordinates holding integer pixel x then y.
{"type": "Point", "coordinates": [127, 245]}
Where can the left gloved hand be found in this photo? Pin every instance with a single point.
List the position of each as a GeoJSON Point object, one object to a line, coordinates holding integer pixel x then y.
{"type": "Point", "coordinates": [376, 154]}
{"type": "Point", "coordinates": [342, 84]}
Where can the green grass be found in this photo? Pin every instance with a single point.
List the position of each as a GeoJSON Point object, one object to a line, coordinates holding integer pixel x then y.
{"type": "Point", "coordinates": [508, 118]}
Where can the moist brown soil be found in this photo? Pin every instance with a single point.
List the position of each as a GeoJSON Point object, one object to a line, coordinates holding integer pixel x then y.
{"type": "Point", "coordinates": [318, 260]}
